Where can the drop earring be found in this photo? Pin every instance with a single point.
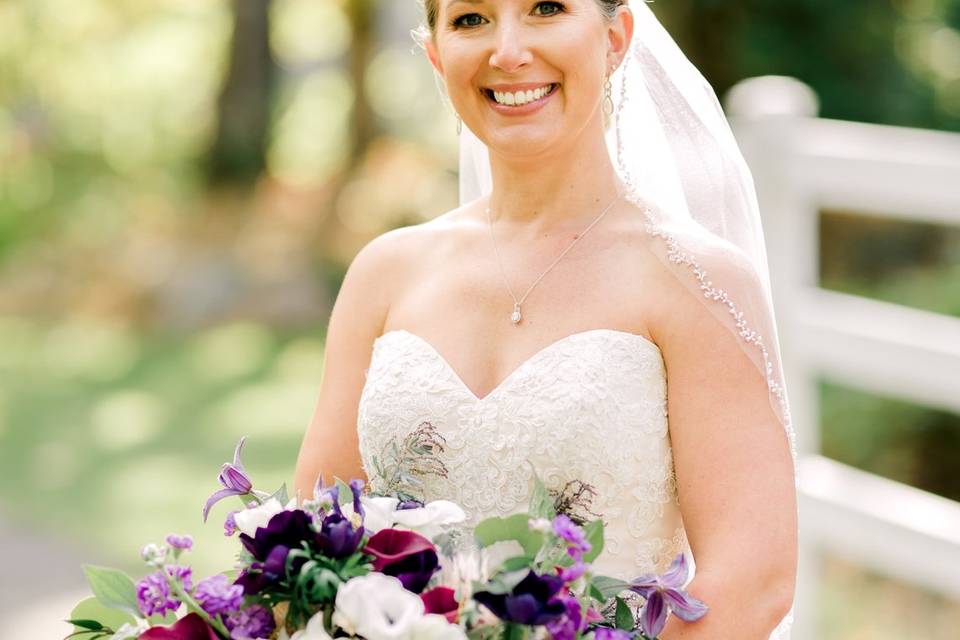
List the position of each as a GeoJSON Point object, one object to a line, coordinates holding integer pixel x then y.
{"type": "Point", "coordinates": [459, 124]}
{"type": "Point", "coordinates": [607, 96]}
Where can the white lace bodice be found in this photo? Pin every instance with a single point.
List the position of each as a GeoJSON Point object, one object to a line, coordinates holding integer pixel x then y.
{"type": "Point", "coordinates": [589, 407]}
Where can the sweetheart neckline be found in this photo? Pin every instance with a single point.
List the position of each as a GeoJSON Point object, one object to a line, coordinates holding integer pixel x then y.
{"type": "Point", "coordinates": [540, 352]}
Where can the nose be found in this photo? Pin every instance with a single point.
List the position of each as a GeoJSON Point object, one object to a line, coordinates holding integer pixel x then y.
{"type": "Point", "coordinates": [510, 51]}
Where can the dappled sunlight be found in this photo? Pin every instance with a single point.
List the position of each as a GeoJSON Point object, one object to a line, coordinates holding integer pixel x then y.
{"type": "Point", "coordinates": [128, 418]}
{"type": "Point", "coordinates": [89, 350]}
{"type": "Point", "coordinates": [229, 351]}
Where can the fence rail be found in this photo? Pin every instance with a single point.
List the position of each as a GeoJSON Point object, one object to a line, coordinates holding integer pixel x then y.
{"type": "Point", "coordinates": [802, 165]}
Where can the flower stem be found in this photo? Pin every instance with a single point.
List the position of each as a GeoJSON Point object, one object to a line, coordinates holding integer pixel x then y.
{"type": "Point", "coordinates": [192, 605]}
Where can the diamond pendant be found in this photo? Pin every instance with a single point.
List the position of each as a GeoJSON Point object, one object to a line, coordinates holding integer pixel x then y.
{"type": "Point", "coordinates": [515, 316]}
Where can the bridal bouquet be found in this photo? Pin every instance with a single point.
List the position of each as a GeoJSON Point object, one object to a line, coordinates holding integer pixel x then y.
{"type": "Point", "coordinates": [349, 563]}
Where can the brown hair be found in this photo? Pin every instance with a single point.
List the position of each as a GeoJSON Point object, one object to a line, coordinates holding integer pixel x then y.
{"type": "Point", "coordinates": [426, 31]}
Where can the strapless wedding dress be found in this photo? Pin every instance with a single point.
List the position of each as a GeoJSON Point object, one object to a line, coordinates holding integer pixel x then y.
{"type": "Point", "coordinates": [590, 407]}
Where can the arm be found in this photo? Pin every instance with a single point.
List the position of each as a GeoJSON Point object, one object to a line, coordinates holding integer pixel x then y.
{"type": "Point", "coordinates": [733, 465]}
{"type": "Point", "coordinates": [330, 444]}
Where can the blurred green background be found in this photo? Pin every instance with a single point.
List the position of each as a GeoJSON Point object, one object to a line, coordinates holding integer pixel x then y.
{"type": "Point", "coordinates": [183, 182]}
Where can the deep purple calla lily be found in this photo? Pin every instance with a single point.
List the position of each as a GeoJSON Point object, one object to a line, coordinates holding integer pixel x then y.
{"type": "Point", "coordinates": [189, 627]}
{"type": "Point", "coordinates": [533, 600]}
{"type": "Point", "coordinates": [234, 479]}
{"type": "Point", "coordinates": [409, 556]}
{"type": "Point", "coordinates": [664, 594]}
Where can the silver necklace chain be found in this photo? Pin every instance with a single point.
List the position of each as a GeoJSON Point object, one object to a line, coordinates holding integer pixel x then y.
{"type": "Point", "coordinates": [516, 316]}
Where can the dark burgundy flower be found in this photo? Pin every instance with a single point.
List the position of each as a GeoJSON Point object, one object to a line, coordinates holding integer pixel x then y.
{"type": "Point", "coordinates": [441, 600]}
{"type": "Point", "coordinates": [533, 600]}
{"type": "Point", "coordinates": [405, 554]}
{"type": "Point", "coordinates": [189, 627]}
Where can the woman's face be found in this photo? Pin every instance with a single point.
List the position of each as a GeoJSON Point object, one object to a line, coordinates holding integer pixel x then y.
{"type": "Point", "coordinates": [564, 48]}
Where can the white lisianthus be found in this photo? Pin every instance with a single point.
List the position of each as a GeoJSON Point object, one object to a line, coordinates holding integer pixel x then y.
{"type": "Point", "coordinates": [314, 631]}
{"type": "Point", "coordinates": [377, 607]}
{"type": "Point", "coordinates": [131, 630]}
{"type": "Point", "coordinates": [431, 519]}
{"type": "Point", "coordinates": [434, 626]}
{"type": "Point", "coordinates": [248, 520]}
{"type": "Point", "coordinates": [378, 511]}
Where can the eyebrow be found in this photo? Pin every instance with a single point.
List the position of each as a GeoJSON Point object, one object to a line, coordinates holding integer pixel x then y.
{"type": "Point", "coordinates": [453, 2]}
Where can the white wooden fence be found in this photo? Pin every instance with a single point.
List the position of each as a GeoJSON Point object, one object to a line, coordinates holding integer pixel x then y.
{"type": "Point", "coordinates": [802, 164]}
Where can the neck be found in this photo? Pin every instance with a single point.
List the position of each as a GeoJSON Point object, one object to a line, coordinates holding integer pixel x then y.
{"type": "Point", "coordinates": [553, 191]}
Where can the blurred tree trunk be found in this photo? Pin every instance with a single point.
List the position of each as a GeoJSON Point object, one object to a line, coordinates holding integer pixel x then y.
{"type": "Point", "coordinates": [238, 153]}
{"type": "Point", "coordinates": [363, 123]}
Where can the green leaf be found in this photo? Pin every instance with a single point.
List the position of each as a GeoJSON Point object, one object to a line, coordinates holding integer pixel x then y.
{"type": "Point", "coordinates": [501, 583]}
{"type": "Point", "coordinates": [515, 527]}
{"type": "Point", "coordinates": [91, 625]}
{"type": "Point", "coordinates": [516, 563]}
{"type": "Point", "coordinates": [594, 532]}
{"type": "Point", "coordinates": [595, 593]}
{"type": "Point", "coordinates": [113, 588]}
{"type": "Point", "coordinates": [345, 494]}
{"type": "Point", "coordinates": [541, 504]}
{"type": "Point", "coordinates": [609, 587]}
{"type": "Point", "coordinates": [91, 609]}
{"type": "Point", "coordinates": [623, 616]}
{"type": "Point", "coordinates": [281, 494]}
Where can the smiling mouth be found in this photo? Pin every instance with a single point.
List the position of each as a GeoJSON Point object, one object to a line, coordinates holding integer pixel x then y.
{"type": "Point", "coordinates": [489, 93]}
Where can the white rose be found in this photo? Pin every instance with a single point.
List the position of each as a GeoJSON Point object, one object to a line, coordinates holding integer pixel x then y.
{"type": "Point", "coordinates": [377, 607]}
{"type": "Point", "coordinates": [431, 519]}
{"type": "Point", "coordinates": [248, 520]}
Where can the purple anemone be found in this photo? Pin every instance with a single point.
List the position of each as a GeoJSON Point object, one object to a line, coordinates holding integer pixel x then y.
{"type": "Point", "coordinates": [533, 601]}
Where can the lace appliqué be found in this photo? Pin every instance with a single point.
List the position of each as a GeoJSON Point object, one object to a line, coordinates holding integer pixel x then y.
{"type": "Point", "coordinates": [591, 407]}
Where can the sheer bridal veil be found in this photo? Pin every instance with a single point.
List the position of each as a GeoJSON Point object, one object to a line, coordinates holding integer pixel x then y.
{"type": "Point", "coordinates": [676, 154]}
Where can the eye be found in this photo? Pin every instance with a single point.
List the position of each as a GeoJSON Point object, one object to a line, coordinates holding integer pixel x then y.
{"type": "Point", "coordinates": [554, 4]}
{"type": "Point", "coordinates": [466, 20]}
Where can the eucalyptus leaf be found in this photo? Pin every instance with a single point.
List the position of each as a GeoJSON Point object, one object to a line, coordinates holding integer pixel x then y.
{"type": "Point", "coordinates": [113, 588]}
{"type": "Point", "coordinates": [281, 494]}
{"type": "Point", "coordinates": [541, 504]}
{"type": "Point", "coordinates": [609, 587]}
{"type": "Point", "coordinates": [345, 494]}
{"type": "Point", "coordinates": [594, 533]}
{"type": "Point", "coordinates": [515, 527]}
{"type": "Point", "coordinates": [516, 563]}
{"type": "Point", "coordinates": [624, 617]}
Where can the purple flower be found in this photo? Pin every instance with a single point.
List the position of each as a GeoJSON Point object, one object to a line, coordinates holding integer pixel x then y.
{"type": "Point", "coordinates": [566, 626]}
{"type": "Point", "coordinates": [253, 622]}
{"type": "Point", "coordinates": [533, 600]}
{"type": "Point", "coordinates": [409, 504]}
{"type": "Point", "coordinates": [234, 480]}
{"type": "Point", "coordinates": [663, 594]}
{"type": "Point", "coordinates": [180, 542]}
{"type": "Point", "coordinates": [216, 595]}
{"type": "Point", "coordinates": [606, 633]}
{"type": "Point", "coordinates": [229, 524]}
{"type": "Point", "coordinates": [409, 556]}
{"type": "Point", "coordinates": [576, 540]}
{"type": "Point", "coordinates": [285, 531]}
{"type": "Point", "coordinates": [569, 574]}
{"type": "Point", "coordinates": [153, 592]}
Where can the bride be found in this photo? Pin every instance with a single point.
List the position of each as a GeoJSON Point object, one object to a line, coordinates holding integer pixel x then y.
{"type": "Point", "coordinates": [597, 309]}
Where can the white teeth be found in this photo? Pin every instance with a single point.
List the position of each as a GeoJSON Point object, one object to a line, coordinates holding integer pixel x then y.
{"type": "Point", "coordinates": [521, 97]}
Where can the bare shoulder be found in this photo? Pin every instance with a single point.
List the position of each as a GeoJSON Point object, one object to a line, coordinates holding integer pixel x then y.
{"type": "Point", "coordinates": [383, 267]}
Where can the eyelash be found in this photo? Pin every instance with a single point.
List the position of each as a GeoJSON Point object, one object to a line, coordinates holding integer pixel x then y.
{"type": "Point", "coordinates": [456, 23]}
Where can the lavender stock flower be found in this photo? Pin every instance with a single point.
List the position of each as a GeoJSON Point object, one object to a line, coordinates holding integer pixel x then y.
{"type": "Point", "coordinates": [574, 536]}
{"type": "Point", "coordinates": [183, 543]}
{"type": "Point", "coordinates": [153, 592]}
{"type": "Point", "coordinates": [664, 593]}
{"type": "Point", "coordinates": [216, 595]}
{"type": "Point", "coordinates": [234, 480]}
{"type": "Point", "coordinates": [253, 622]}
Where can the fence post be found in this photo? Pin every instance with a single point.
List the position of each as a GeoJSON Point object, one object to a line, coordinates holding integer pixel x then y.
{"type": "Point", "coordinates": [766, 114]}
